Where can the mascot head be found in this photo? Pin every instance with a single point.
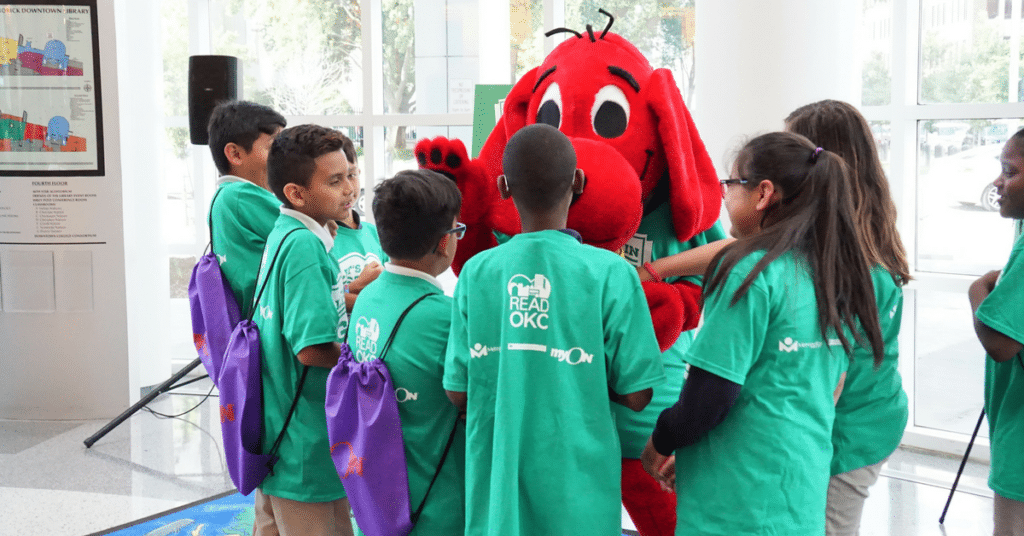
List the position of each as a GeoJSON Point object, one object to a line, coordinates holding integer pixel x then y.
{"type": "Point", "coordinates": [633, 136]}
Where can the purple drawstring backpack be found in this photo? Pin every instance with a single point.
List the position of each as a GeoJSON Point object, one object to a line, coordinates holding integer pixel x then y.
{"type": "Point", "coordinates": [241, 401]}
{"type": "Point", "coordinates": [214, 309]}
{"type": "Point", "coordinates": [365, 433]}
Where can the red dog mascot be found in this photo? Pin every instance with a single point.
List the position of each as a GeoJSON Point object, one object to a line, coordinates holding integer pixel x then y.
{"type": "Point", "coordinates": [651, 191]}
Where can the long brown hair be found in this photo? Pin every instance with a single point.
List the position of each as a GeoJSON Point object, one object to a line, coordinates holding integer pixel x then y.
{"type": "Point", "coordinates": [838, 127]}
{"type": "Point", "coordinates": [814, 218]}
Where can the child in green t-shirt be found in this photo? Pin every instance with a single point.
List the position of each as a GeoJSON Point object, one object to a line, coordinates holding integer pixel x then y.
{"type": "Point", "coordinates": [298, 315]}
{"type": "Point", "coordinates": [751, 433]}
{"type": "Point", "coordinates": [415, 212]}
{"type": "Point", "coordinates": [356, 244]}
{"type": "Point", "coordinates": [243, 210]}
{"type": "Point", "coordinates": [997, 299]}
{"type": "Point", "coordinates": [546, 333]}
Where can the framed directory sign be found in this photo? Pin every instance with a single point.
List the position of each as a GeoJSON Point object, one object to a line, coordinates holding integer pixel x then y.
{"type": "Point", "coordinates": [50, 107]}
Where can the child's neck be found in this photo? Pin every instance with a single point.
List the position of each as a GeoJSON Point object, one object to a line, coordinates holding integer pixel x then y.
{"type": "Point", "coordinates": [543, 222]}
{"type": "Point", "coordinates": [428, 264]}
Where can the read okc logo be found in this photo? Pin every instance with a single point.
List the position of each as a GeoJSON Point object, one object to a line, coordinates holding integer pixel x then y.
{"type": "Point", "coordinates": [528, 301]}
{"type": "Point", "coordinates": [367, 332]}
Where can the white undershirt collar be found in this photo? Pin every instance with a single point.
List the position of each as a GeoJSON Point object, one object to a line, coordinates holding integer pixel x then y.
{"type": "Point", "coordinates": [312, 225]}
{"type": "Point", "coordinates": [232, 178]}
{"type": "Point", "coordinates": [409, 272]}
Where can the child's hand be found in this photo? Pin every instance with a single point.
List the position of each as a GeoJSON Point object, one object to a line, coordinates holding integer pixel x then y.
{"type": "Point", "coordinates": [332, 227]}
{"type": "Point", "coordinates": [988, 281]}
{"type": "Point", "coordinates": [981, 288]}
{"type": "Point", "coordinates": [367, 276]}
{"type": "Point", "coordinates": [644, 274]}
{"type": "Point", "coordinates": [661, 468]}
{"type": "Point", "coordinates": [667, 475]}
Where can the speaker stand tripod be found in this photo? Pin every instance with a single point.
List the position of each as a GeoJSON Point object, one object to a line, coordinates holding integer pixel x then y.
{"type": "Point", "coordinates": [171, 383]}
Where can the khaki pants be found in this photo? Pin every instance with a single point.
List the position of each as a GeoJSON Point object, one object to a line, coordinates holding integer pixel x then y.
{"type": "Point", "coordinates": [1008, 515]}
{"type": "Point", "coordinates": [846, 495]}
{"type": "Point", "coordinates": [284, 517]}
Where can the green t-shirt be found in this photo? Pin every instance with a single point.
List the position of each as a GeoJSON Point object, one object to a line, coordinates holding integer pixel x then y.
{"type": "Point", "coordinates": [654, 239]}
{"type": "Point", "coordinates": [354, 249]}
{"type": "Point", "coordinates": [1003, 311]}
{"type": "Point", "coordinates": [765, 468]}
{"type": "Point", "coordinates": [872, 411]}
{"type": "Point", "coordinates": [542, 327]}
{"type": "Point", "coordinates": [243, 215]}
{"type": "Point", "coordinates": [416, 363]}
{"type": "Point", "coordinates": [300, 307]}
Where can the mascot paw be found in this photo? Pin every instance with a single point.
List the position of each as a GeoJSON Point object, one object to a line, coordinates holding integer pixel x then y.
{"type": "Point", "coordinates": [690, 296]}
{"type": "Point", "coordinates": [667, 312]}
{"type": "Point", "coordinates": [444, 156]}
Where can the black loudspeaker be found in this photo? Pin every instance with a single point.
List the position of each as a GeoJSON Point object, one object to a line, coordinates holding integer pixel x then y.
{"type": "Point", "coordinates": [211, 80]}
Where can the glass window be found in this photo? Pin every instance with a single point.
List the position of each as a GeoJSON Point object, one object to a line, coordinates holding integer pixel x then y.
{"type": "Point", "coordinates": [527, 33]}
{"type": "Point", "coordinates": [401, 157]}
{"type": "Point", "coordinates": [301, 60]}
{"type": "Point", "coordinates": [430, 54]}
{"type": "Point", "coordinates": [662, 30]}
{"type": "Point", "coordinates": [876, 44]}
{"type": "Point", "coordinates": [959, 227]}
{"type": "Point", "coordinates": [970, 53]}
{"type": "Point", "coordinates": [949, 365]}
{"type": "Point", "coordinates": [882, 131]}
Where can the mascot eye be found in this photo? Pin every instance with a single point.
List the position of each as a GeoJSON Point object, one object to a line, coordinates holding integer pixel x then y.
{"type": "Point", "coordinates": [550, 110]}
{"type": "Point", "coordinates": [610, 114]}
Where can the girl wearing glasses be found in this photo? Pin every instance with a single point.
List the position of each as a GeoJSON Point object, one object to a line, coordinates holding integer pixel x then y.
{"type": "Point", "coordinates": [784, 306]}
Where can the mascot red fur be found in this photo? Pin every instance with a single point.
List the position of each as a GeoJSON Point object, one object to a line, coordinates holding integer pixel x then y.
{"type": "Point", "coordinates": [651, 191]}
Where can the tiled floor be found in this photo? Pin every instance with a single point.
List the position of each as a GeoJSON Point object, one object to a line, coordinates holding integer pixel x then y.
{"type": "Point", "coordinates": [51, 484]}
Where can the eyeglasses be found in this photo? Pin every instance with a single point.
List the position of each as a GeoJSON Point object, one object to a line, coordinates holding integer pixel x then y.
{"type": "Point", "coordinates": [726, 182]}
{"type": "Point", "coordinates": [459, 230]}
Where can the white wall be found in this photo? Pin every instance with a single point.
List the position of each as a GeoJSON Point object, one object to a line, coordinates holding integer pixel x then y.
{"type": "Point", "coordinates": [70, 364]}
{"type": "Point", "coordinates": [758, 61]}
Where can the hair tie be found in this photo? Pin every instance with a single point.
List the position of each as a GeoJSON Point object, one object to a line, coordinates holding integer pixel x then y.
{"type": "Point", "coordinates": [814, 155]}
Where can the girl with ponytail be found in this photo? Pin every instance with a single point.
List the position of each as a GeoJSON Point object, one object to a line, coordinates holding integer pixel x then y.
{"type": "Point", "coordinates": [784, 307]}
{"type": "Point", "coordinates": [873, 411]}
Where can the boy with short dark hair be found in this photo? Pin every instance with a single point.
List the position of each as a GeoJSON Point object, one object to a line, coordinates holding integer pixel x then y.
{"type": "Point", "coordinates": [415, 213]}
{"type": "Point", "coordinates": [243, 210]}
{"type": "Point", "coordinates": [356, 244]}
{"type": "Point", "coordinates": [997, 299]}
{"type": "Point", "coordinates": [298, 316]}
{"type": "Point", "coordinates": [546, 333]}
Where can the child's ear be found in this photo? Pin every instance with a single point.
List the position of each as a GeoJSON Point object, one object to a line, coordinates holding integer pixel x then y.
{"type": "Point", "coordinates": [234, 153]}
{"type": "Point", "coordinates": [295, 194]}
{"type": "Point", "coordinates": [441, 245]}
{"type": "Point", "coordinates": [503, 190]}
{"type": "Point", "coordinates": [579, 181]}
{"type": "Point", "coordinates": [768, 195]}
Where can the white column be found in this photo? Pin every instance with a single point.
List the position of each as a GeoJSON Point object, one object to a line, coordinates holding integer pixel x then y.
{"type": "Point", "coordinates": [758, 61]}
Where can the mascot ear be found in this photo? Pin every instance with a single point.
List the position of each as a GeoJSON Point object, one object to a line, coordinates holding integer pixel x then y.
{"type": "Point", "coordinates": [694, 192]}
{"type": "Point", "coordinates": [513, 118]}
{"type": "Point", "coordinates": [517, 102]}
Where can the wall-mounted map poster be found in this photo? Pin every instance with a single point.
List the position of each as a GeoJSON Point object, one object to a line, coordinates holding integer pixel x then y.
{"type": "Point", "coordinates": [50, 114]}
